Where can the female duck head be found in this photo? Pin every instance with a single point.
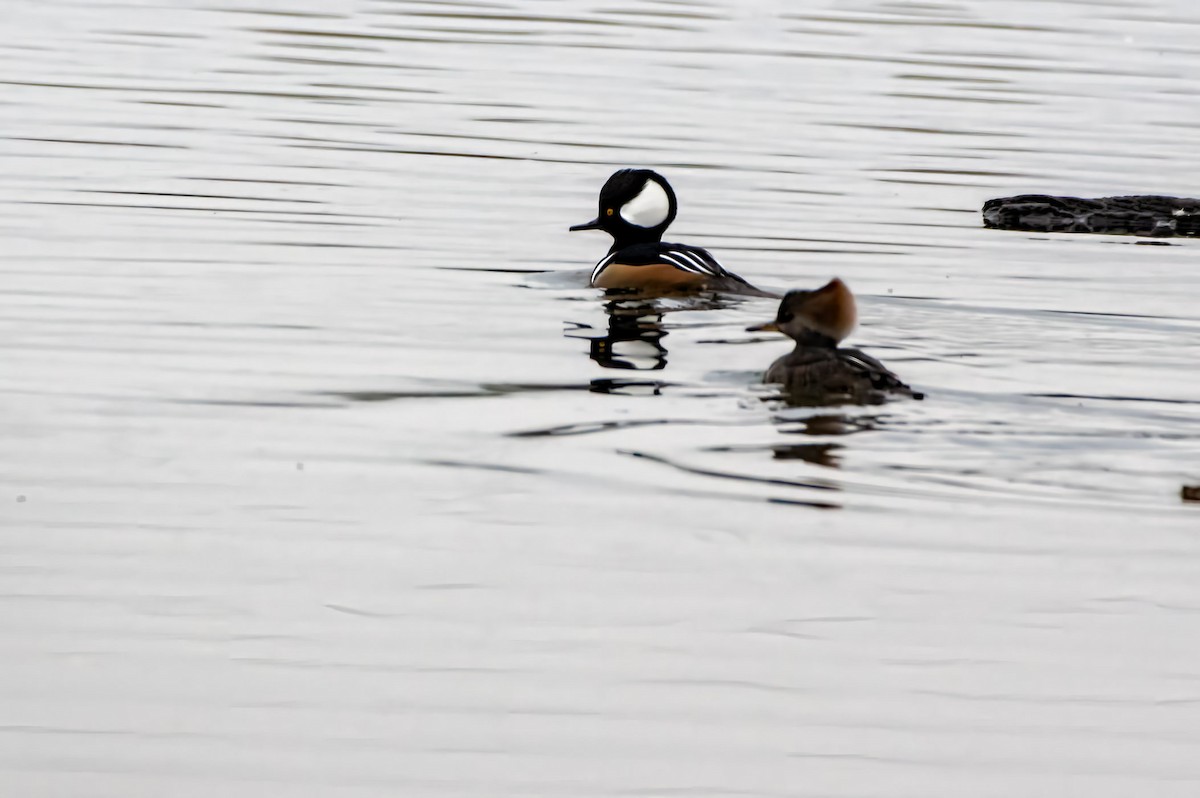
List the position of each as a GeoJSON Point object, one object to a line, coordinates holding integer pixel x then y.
{"type": "Point", "coordinates": [829, 311]}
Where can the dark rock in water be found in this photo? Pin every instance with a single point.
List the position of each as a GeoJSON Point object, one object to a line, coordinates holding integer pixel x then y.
{"type": "Point", "coordinates": [1190, 493]}
{"type": "Point", "coordinates": [1143, 215]}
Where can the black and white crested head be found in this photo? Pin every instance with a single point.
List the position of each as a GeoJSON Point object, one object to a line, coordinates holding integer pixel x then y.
{"type": "Point", "coordinates": [650, 207]}
{"type": "Point", "coordinates": [636, 206]}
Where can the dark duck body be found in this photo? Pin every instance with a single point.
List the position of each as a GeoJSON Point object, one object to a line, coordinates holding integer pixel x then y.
{"type": "Point", "coordinates": [818, 371]}
{"type": "Point", "coordinates": [636, 208]}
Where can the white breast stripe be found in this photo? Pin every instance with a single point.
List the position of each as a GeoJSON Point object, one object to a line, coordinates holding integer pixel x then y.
{"type": "Point", "coordinates": [600, 266]}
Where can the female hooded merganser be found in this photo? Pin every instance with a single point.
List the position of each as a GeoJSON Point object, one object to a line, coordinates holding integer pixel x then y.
{"type": "Point", "coordinates": [636, 207]}
{"type": "Point", "coordinates": [817, 371]}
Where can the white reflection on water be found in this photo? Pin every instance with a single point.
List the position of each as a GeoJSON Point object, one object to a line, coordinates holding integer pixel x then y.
{"type": "Point", "coordinates": [317, 480]}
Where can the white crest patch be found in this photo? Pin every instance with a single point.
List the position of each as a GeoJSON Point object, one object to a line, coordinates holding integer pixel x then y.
{"type": "Point", "coordinates": [649, 208]}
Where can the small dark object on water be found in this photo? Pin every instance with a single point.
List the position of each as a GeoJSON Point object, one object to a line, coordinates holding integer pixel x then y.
{"type": "Point", "coordinates": [1142, 215]}
{"type": "Point", "coordinates": [1190, 493]}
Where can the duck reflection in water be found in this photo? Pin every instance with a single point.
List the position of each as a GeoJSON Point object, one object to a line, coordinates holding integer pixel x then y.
{"type": "Point", "coordinates": [634, 337]}
{"type": "Point", "coordinates": [822, 426]}
{"type": "Point", "coordinates": [817, 371]}
{"type": "Point", "coordinates": [822, 454]}
{"type": "Point", "coordinates": [633, 341]}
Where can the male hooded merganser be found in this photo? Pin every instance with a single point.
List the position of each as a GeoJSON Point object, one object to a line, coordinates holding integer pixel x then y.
{"type": "Point", "coordinates": [817, 371]}
{"type": "Point", "coordinates": [636, 207]}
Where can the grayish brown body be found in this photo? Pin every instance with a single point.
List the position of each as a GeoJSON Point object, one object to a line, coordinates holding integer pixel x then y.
{"type": "Point", "coordinates": [825, 372]}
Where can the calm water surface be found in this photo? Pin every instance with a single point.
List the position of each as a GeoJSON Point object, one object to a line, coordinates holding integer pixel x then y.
{"type": "Point", "coordinates": [325, 474]}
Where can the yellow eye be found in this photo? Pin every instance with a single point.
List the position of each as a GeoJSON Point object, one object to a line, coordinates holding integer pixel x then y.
{"type": "Point", "coordinates": [608, 212]}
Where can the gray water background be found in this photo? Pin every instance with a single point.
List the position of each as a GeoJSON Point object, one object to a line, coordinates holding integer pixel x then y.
{"type": "Point", "coordinates": [309, 485]}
